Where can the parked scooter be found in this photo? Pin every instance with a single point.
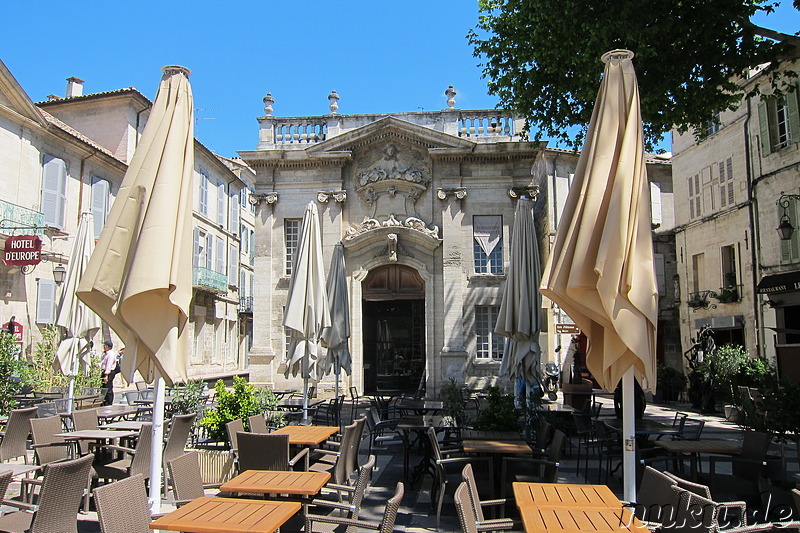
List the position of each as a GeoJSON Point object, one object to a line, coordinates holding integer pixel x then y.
{"type": "Point", "coordinates": [552, 376]}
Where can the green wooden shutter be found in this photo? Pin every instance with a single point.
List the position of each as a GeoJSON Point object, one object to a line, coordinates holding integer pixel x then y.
{"type": "Point", "coordinates": [794, 115]}
{"type": "Point", "coordinates": [763, 125]}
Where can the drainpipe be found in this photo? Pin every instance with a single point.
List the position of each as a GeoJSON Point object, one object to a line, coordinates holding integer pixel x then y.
{"type": "Point", "coordinates": [755, 233]}
{"type": "Point", "coordinates": [80, 186]}
{"type": "Point", "coordinates": [138, 121]}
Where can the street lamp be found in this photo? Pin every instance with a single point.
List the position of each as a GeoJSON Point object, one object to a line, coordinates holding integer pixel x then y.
{"type": "Point", "coordinates": [59, 273]}
{"type": "Point", "coordinates": [785, 227]}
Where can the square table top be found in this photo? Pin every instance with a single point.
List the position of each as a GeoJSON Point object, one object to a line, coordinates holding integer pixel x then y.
{"type": "Point", "coordinates": [566, 508]}
{"type": "Point", "coordinates": [307, 435]}
{"type": "Point", "coordinates": [277, 482]}
{"type": "Point", "coordinates": [96, 434]}
{"type": "Point", "coordinates": [496, 446]}
{"type": "Point", "coordinates": [124, 425]}
{"type": "Point", "coordinates": [109, 411]}
{"type": "Point", "coordinates": [564, 495]}
{"type": "Point", "coordinates": [227, 515]}
{"type": "Point", "coordinates": [18, 469]}
{"type": "Point", "coordinates": [714, 446]}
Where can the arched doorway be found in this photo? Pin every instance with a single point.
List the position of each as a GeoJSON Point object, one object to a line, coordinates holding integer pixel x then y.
{"type": "Point", "coordinates": [393, 320]}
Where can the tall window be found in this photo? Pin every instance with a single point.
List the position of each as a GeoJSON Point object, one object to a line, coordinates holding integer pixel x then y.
{"type": "Point", "coordinates": [209, 252]}
{"type": "Point", "coordinates": [698, 264]}
{"type": "Point", "coordinates": [203, 205]}
{"type": "Point", "coordinates": [726, 197]}
{"type": "Point", "coordinates": [487, 246]}
{"type": "Point", "coordinates": [695, 198]}
{"type": "Point", "coordinates": [234, 212]}
{"type": "Point", "coordinates": [219, 257]}
{"type": "Point", "coordinates": [778, 121]}
{"type": "Point", "coordinates": [199, 248]}
{"type": "Point", "coordinates": [713, 125]}
{"type": "Point", "coordinates": [100, 200]}
{"type": "Point", "coordinates": [489, 345]}
{"type": "Point", "coordinates": [291, 234]}
{"type": "Point", "coordinates": [54, 191]}
{"type": "Point", "coordinates": [233, 265]}
{"type": "Point", "coordinates": [728, 261]}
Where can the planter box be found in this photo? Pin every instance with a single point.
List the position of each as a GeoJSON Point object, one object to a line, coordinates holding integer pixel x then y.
{"type": "Point", "coordinates": [216, 466]}
{"type": "Point", "coordinates": [731, 413]}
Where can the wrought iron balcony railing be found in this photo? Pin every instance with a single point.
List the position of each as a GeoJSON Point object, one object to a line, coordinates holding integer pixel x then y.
{"type": "Point", "coordinates": [18, 220]}
{"type": "Point", "coordinates": [246, 304]}
{"type": "Point", "coordinates": [729, 294]}
{"type": "Point", "coordinates": [204, 278]}
{"type": "Point", "coordinates": [700, 300]}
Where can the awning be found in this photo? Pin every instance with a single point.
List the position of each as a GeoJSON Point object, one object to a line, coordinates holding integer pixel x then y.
{"type": "Point", "coordinates": [786, 282]}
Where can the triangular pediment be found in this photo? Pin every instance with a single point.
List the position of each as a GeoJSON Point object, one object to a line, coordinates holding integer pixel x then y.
{"type": "Point", "coordinates": [13, 97]}
{"type": "Point", "coordinates": [392, 128]}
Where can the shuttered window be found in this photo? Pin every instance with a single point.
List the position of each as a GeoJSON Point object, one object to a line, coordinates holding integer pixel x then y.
{"type": "Point", "coordinates": [779, 121]}
{"type": "Point", "coordinates": [233, 264]}
{"type": "Point", "coordinates": [222, 203]}
{"type": "Point", "coordinates": [219, 258]}
{"type": "Point", "coordinates": [203, 183]}
{"type": "Point", "coordinates": [233, 204]}
{"type": "Point", "coordinates": [209, 252]}
{"type": "Point", "coordinates": [101, 191]}
{"type": "Point", "coordinates": [695, 197]}
{"type": "Point", "coordinates": [54, 191]}
{"type": "Point", "coordinates": [726, 196]}
{"type": "Point", "coordinates": [45, 301]}
{"type": "Point", "coordinates": [196, 249]}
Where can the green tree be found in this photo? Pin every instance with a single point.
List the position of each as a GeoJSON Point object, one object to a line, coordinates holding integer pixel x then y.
{"type": "Point", "coordinates": [542, 58]}
{"type": "Point", "coordinates": [10, 367]}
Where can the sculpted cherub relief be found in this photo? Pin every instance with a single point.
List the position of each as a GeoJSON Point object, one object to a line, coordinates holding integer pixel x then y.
{"type": "Point", "coordinates": [390, 168]}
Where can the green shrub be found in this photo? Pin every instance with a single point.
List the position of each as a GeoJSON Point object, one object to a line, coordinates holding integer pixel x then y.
{"type": "Point", "coordinates": [242, 402]}
{"type": "Point", "coordinates": [10, 370]}
{"type": "Point", "coordinates": [453, 403]}
{"type": "Point", "coordinates": [500, 414]}
{"type": "Point", "coordinates": [188, 398]}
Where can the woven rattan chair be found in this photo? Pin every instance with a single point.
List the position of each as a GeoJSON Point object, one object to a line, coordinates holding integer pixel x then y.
{"type": "Point", "coordinates": [56, 509]}
{"type": "Point", "coordinates": [386, 524]}
{"type": "Point", "coordinates": [47, 447]}
{"type": "Point", "coordinates": [730, 511]}
{"type": "Point", "coordinates": [187, 478]}
{"type": "Point", "coordinates": [744, 480]}
{"type": "Point", "coordinates": [45, 409]}
{"type": "Point", "coordinates": [657, 500]}
{"type": "Point", "coordinates": [84, 419]}
{"type": "Point", "coordinates": [355, 496]}
{"type": "Point", "coordinates": [466, 509]}
{"type": "Point", "coordinates": [266, 451]}
{"type": "Point", "coordinates": [342, 463]}
{"type": "Point", "coordinates": [477, 505]}
{"type": "Point", "coordinates": [122, 506]}
{"type": "Point", "coordinates": [258, 424]}
{"type": "Point", "coordinates": [448, 472]}
{"type": "Point", "coordinates": [134, 461]}
{"type": "Point", "coordinates": [234, 427]}
{"type": "Point", "coordinates": [533, 468]}
{"type": "Point", "coordinates": [179, 429]}
{"type": "Point", "coordinates": [15, 437]}
{"type": "Point", "coordinates": [5, 481]}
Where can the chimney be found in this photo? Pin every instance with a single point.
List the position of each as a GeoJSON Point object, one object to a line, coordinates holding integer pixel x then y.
{"type": "Point", "coordinates": [74, 87]}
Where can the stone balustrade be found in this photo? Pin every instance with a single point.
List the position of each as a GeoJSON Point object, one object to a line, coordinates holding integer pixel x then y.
{"type": "Point", "coordinates": [485, 123]}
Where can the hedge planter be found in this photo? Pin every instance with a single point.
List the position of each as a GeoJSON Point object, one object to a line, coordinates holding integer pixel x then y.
{"type": "Point", "coordinates": [216, 466]}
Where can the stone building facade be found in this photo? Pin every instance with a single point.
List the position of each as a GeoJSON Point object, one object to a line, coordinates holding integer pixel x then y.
{"type": "Point", "coordinates": [735, 272]}
{"type": "Point", "coordinates": [424, 204]}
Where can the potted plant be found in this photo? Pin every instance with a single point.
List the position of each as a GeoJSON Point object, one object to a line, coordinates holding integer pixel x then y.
{"type": "Point", "coordinates": [500, 413]}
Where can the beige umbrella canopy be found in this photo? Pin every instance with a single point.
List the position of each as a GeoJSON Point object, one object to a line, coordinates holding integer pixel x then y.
{"type": "Point", "coordinates": [518, 317]}
{"type": "Point", "coordinates": [600, 271]}
{"type": "Point", "coordinates": [139, 277]}
{"type": "Point", "coordinates": [307, 313]}
{"type": "Point", "coordinates": [79, 322]}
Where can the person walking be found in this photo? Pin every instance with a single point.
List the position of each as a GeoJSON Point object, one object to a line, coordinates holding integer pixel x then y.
{"type": "Point", "coordinates": [108, 365]}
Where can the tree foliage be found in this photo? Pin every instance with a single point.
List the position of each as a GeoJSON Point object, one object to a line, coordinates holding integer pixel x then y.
{"type": "Point", "coordinates": [542, 58]}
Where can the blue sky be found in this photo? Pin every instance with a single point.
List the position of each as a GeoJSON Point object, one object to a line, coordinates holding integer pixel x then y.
{"type": "Point", "coordinates": [380, 56]}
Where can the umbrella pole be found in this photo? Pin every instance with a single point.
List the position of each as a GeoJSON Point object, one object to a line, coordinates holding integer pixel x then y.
{"type": "Point", "coordinates": [156, 454]}
{"type": "Point", "coordinates": [71, 389]}
{"type": "Point", "coordinates": [305, 401]}
{"type": "Point", "coordinates": [629, 436]}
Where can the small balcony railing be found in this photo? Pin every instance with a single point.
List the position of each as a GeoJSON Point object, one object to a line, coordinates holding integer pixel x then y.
{"type": "Point", "coordinates": [204, 278]}
{"type": "Point", "coordinates": [18, 220]}
{"type": "Point", "coordinates": [246, 304]}
{"type": "Point", "coordinates": [729, 294]}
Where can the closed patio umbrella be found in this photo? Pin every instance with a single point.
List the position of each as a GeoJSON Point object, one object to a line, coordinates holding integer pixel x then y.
{"type": "Point", "coordinates": [80, 323]}
{"type": "Point", "coordinates": [518, 318]}
{"type": "Point", "coordinates": [600, 270]}
{"type": "Point", "coordinates": [139, 279]}
{"type": "Point", "coordinates": [307, 313]}
{"type": "Point", "coordinates": [337, 337]}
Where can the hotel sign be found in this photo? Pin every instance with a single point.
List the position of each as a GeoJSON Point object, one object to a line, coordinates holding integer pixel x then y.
{"type": "Point", "coordinates": [23, 250]}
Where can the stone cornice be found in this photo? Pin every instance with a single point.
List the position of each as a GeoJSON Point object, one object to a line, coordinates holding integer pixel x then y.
{"type": "Point", "coordinates": [300, 159]}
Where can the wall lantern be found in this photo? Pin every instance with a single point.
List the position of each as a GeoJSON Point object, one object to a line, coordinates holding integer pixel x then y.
{"type": "Point", "coordinates": [59, 273]}
{"type": "Point", "coordinates": [785, 228]}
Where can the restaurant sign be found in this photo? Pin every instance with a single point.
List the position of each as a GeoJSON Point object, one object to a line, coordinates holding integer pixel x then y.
{"type": "Point", "coordinates": [23, 250]}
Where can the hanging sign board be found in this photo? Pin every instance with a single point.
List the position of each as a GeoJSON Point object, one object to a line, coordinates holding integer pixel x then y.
{"type": "Point", "coordinates": [23, 250]}
{"type": "Point", "coordinates": [567, 329]}
{"type": "Point", "coordinates": [17, 334]}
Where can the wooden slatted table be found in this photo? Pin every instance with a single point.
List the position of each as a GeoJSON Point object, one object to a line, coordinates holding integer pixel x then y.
{"type": "Point", "coordinates": [277, 482]}
{"type": "Point", "coordinates": [693, 448]}
{"type": "Point", "coordinates": [473, 434]}
{"type": "Point", "coordinates": [496, 446]}
{"type": "Point", "coordinates": [227, 515]}
{"type": "Point", "coordinates": [564, 508]}
{"type": "Point", "coordinates": [307, 435]}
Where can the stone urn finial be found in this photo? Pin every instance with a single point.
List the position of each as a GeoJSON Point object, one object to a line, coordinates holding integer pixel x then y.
{"type": "Point", "coordinates": [451, 97]}
{"type": "Point", "coordinates": [334, 100]}
{"type": "Point", "coordinates": [268, 101]}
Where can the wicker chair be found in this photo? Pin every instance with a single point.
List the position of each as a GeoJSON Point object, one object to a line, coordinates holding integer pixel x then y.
{"type": "Point", "coordinates": [533, 468]}
{"type": "Point", "coordinates": [258, 424]}
{"type": "Point", "coordinates": [134, 461]}
{"type": "Point", "coordinates": [45, 409]}
{"type": "Point", "coordinates": [63, 486]}
{"type": "Point", "coordinates": [381, 432]}
{"type": "Point", "coordinates": [234, 427]}
{"type": "Point", "coordinates": [5, 481]}
{"type": "Point", "coordinates": [466, 509]}
{"type": "Point", "coordinates": [739, 507]}
{"type": "Point", "coordinates": [355, 496]}
{"type": "Point", "coordinates": [477, 505]}
{"type": "Point", "coordinates": [657, 500]}
{"type": "Point", "coordinates": [84, 419]}
{"type": "Point", "coordinates": [266, 451]}
{"type": "Point", "coordinates": [187, 479]}
{"type": "Point", "coordinates": [339, 463]}
{"type": "Point", "coordinates": [122, 506]}
{"type": "Point", "coordinates": [386, 524]}
{"type": "Point", "coordinates": [744, 481]}
{"type": "Point", "coordinates": [179, 428]}
{"type": "Point", "coordinates": [46, 446]}
{"type": "Point", "coordinates": [448, 472]}
{"type": "Point", "coordinates": [15, 437]}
